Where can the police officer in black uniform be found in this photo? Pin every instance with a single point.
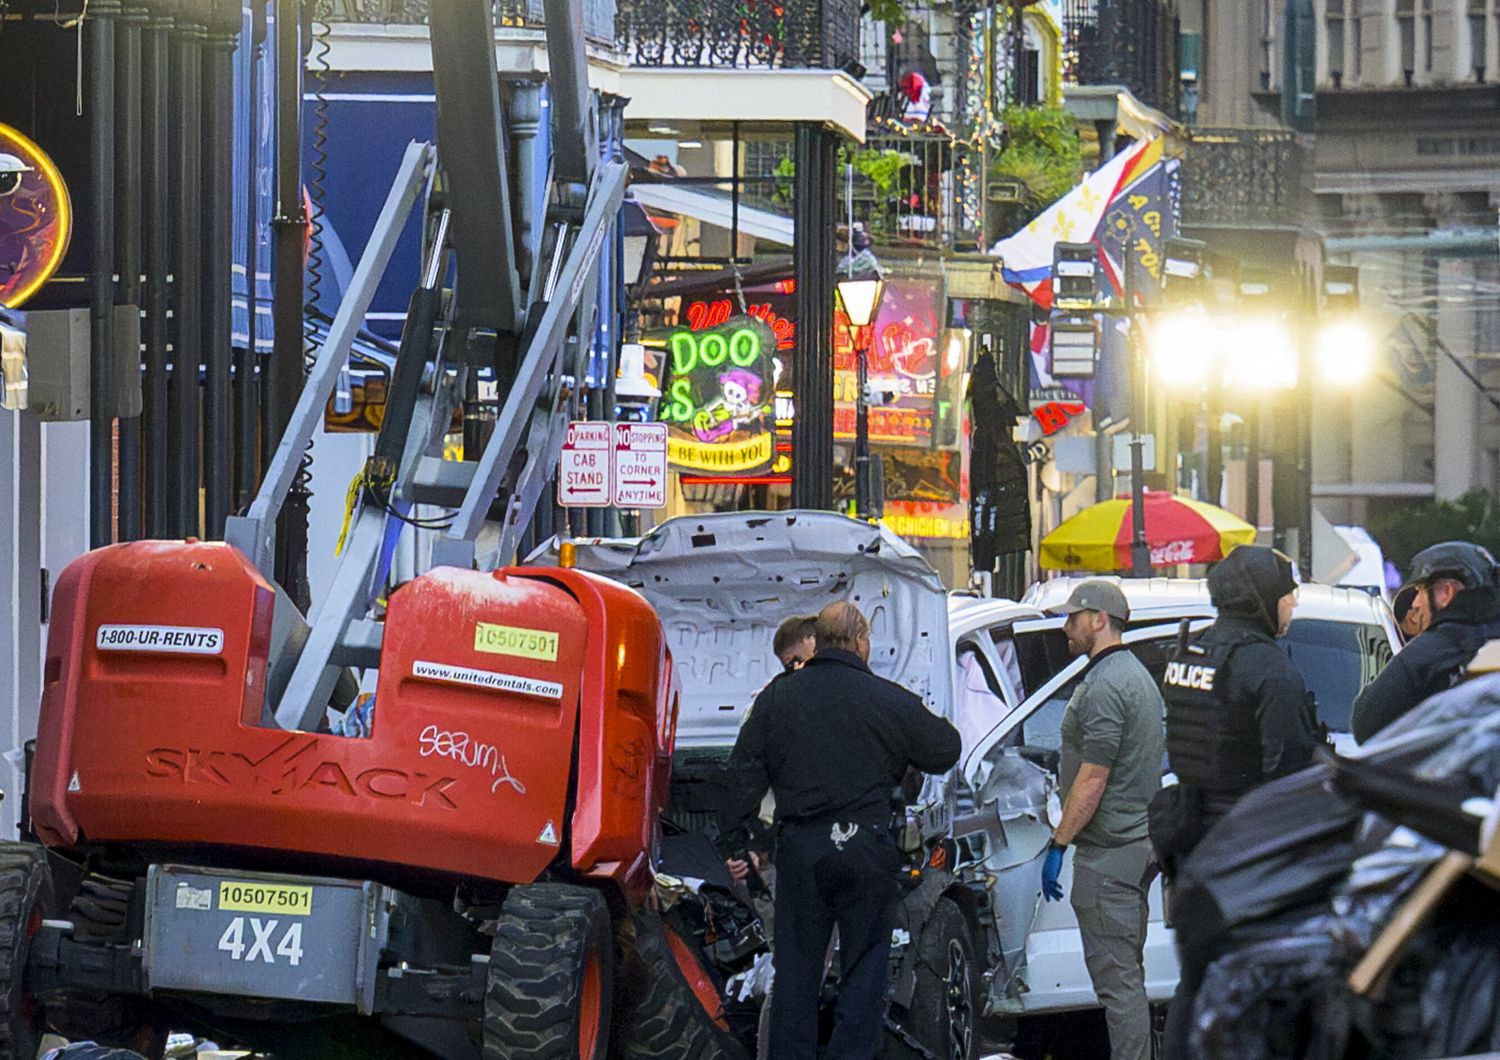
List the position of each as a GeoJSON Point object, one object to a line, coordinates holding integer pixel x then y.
{"type": "Point", "coordinates": [1455, 581]}
{"type": "Point", "coordinates": [832, 741]}
{"type": "Point", "coordinates": [1238, 715]}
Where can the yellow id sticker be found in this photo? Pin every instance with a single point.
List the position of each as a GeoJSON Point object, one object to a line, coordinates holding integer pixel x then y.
{"type": "Point", "coordinates": [513, 640]}
{"type": "Point", "coordinates": [246, 897]}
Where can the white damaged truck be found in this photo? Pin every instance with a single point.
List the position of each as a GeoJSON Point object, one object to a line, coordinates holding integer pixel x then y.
{"type": "Point", "coordinates": [976, 837]}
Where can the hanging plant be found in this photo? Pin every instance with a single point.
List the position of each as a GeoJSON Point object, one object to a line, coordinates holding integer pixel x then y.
{"type": "Point", "coordinates": [1041, 151]}
{"type": "Point", "coordinates": [881, 167]}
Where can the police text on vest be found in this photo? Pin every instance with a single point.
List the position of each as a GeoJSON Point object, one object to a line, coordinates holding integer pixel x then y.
{"type": "Point", "coordinates": [1184, 676]}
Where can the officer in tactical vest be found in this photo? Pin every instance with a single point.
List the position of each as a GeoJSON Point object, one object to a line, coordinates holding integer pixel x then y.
{"type": "Point", "coordinates": [1238, 712]}
{"type": "Point", "coordinates": [1238, 715]}
{"type": "Point", "coordinates": [1454, 583]}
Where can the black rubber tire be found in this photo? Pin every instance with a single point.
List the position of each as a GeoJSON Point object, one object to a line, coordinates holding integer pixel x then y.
{"type": "Point", "coordinates": [25, 891]}
{"type": "Point", "coordinates": [99, 912]}
{"type": "Point", "coordinates": [944, 1013]}
{"type": "Point", "coordinates": [661, 1015]}
{"type": "Point", "coordinates": [544, 939]}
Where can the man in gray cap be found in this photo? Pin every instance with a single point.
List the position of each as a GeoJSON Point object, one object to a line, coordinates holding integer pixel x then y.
{"type": "Point", "coordinates": [1110, 769]}
{"type": "Point", "coordinates": [1455, 584]}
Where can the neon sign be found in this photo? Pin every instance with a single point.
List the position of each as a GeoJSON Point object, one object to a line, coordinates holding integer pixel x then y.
{"type": "Point", "coordinates": [701, 316]}
{"type": "Point", "coordinates": [719, 401]}
{"type": "Point", "coordinates": [36, 218]}
{"type": "Point", "coordinates": [903, 349]}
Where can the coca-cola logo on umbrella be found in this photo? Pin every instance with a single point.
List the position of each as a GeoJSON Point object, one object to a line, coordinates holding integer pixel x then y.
{"type": "Point", "coordinates": [1173, 552]}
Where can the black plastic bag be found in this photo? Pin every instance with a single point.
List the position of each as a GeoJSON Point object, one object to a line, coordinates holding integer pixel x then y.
{"type": "Point", "coordinates": [1277, 999]}
{"type": "Point", "coordinates": [1283, 846]}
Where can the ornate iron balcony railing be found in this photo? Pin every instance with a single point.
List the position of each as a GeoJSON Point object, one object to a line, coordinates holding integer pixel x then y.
{"type": "Point", "coordinates": [1123, 42]}
{"type": "Point", "coordinates": [1244, 178]}
{"type": "Point", "coordinates": [794, 34]}
{"type": "Point", "coordinates": [598, 15]}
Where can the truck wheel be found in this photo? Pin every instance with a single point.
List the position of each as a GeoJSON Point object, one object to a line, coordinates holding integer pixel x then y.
{"type": "Point", "coordinates": [99, 912]}
{"type": "Point", "coordinates": [944, 1012]}
{"type": "Point", "coordinates": [25, 888]}
{"type": "Point", "coordinates": [551, 976]}
{"type": "Point", "coordinates": [672, 1009]}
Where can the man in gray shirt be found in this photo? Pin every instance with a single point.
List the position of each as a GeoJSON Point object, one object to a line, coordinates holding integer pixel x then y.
{"type": "Point", "coordinates": [1111, 767]}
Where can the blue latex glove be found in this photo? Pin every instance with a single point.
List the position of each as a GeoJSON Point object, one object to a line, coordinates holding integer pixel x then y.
{"type": "Point", "coordinates": [1051, 870]}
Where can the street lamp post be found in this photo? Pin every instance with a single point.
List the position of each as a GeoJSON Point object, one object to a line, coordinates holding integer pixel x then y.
{"type": "Point", "coordinates": [1307, 342]}
{"type": "Point", "coordinates": [1140, 550]}
{"type": "Point", "coordinates": [862, 484]}
{"type": "Point", "coordinates": [1270, 346]}
{"type": "Point", "coordinates": [860, 299]}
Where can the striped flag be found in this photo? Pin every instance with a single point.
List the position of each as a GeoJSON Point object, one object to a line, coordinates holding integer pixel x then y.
{"type": "Point", "coordinates": [1026, 257]}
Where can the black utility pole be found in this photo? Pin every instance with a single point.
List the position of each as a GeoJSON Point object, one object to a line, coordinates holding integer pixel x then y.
{"type": "Point", "coordinates": [863, 485]}
{"type": "Point", "coordinates": [218, 252]}
{"type": "Point", "coordinates": [1306, 337]}
{"type": "Point", "coordinates": [156, 123]}
{"type": "Point", "coordinates": [1213, 485]}
{"type": "Point", "coordinates": [99, 29]}
{"type": "Point", "coordinates": [287, 368]}
{"type": "Point", "coordinates": [246, 376]}
{"type": "Point", "coordinates": [129, 196]}
{"type": "Point", "coordinates": [1140, 551]}
{"type": "Point", "coordinates": [813, 211]}
{"type": "Point", "coordinates": [187, 264]}
{"type": "Point", "coordinates": [1252, 462]}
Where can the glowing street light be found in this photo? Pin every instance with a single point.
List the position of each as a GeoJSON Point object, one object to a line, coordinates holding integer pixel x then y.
{"type": "Point", "coordinates": [861, 300]}
{"type": "Point", "coordinates": [1183, 347]}
{"type": "Point", "coordinates": [1260, 355]}
{"type": "Point", "coordinates": [1345, 352]}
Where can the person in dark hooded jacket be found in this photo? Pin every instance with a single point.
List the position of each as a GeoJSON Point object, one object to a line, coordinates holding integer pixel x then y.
{"type": "Point", "coordinates": [1455, 582]}
{"type": "Point", "coordinates": [1238, 715]}
{"type": "Point", "coordinates": [1238, 711]}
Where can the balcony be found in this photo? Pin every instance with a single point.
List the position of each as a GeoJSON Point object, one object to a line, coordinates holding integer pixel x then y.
{"type": "Point", "coordinates": [598, 15]}
{"type": "Point", "coordinates": [739, 34]}
{"type": "Point", "coordinates": [1236, 178]}
{"type": "Point", "coordinates": [1123, 42]}
{"type": "Point", "coordinates": [909, 192]}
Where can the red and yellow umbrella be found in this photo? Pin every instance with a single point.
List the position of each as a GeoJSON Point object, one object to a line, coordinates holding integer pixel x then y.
{"type": "Point", "coordinates": [1178, 530]}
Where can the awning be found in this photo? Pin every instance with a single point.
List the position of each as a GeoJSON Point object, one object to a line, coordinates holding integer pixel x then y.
{"type": "Point", "coordinates": [714, 208]}
{"type": "Point", "coordinates": [712, 98]}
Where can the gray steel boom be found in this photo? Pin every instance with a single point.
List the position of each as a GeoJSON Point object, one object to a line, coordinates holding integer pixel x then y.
{"type": "Point", "coordinates": [535, 351]}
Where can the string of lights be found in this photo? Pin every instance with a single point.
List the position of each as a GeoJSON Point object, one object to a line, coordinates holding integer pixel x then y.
{"type": "Point", "coordinates": [983, 126]}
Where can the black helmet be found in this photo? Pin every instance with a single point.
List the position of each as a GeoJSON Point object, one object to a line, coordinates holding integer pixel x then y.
{"type": "Point", "coordinates": [1248, 583]}
{"type": "Point", "coordinates": [1461, 560]}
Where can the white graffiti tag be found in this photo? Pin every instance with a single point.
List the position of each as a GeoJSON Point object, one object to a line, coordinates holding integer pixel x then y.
{"type": "Point", "coordinates": [462, 748]}
{"type": "Point", "coordinates": [841, 834]}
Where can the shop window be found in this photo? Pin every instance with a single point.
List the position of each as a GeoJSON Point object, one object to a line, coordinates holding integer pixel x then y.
{"type": "Point", "coordinates": [1478, 39]}
{"type": "Point", "coordinates": [1406, 36]}
{"type": "Point", "coordinates": [1333, 21]}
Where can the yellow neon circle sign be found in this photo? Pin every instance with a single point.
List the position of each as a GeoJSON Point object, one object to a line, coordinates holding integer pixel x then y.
{"type": "Point", "coordinates": [36, 218]}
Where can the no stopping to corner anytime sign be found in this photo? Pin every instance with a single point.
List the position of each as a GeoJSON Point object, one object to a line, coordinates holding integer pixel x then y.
{"type": "Point", "coordinates": [623, 465]}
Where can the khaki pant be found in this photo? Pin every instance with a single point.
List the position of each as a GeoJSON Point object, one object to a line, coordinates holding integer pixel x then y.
{"type": "Point", "coordinates": [1110, 898]}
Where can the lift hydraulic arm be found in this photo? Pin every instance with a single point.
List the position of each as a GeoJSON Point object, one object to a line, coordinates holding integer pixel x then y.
{"type": "Point", "coordinates": [535, 350]}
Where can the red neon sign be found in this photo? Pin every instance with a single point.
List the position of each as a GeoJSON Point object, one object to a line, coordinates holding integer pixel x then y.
{"type": "Point", "coordinates": [701, 316]}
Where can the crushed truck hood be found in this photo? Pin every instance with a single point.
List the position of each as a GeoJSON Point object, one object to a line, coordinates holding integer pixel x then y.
{"type": "Point", "coordinates": [722, 584]}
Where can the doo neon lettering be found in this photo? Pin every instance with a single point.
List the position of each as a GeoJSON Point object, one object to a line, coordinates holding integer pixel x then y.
{"type": "Point", "coordinates": [740, 348]}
